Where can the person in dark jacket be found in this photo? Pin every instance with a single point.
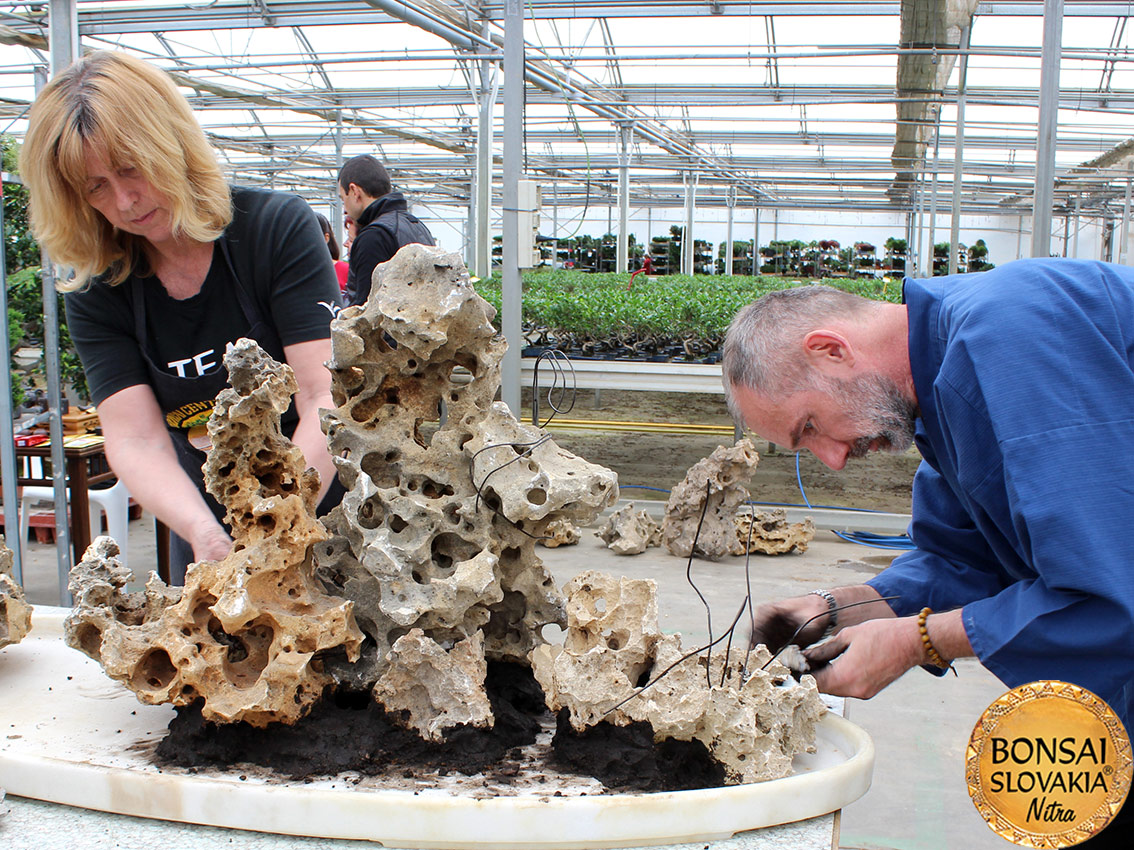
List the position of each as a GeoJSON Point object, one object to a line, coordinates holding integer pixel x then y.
{"type": "Point", "coordinates": [383, 220]}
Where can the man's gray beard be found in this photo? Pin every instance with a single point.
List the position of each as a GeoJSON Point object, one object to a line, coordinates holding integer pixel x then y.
{"type": "Point", "coordinates": [880, 410]}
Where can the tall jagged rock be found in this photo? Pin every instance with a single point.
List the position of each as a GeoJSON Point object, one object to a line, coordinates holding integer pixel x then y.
{"type": "Point", "coordinates": [703, 506]}
{"type": "Point", "coordinates": [247, 634]}
{"type": "Point", "coordinates": [447, 493]}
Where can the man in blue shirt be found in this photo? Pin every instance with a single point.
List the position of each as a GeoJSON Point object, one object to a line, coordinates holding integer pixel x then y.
{"type": "Point", "coordinates": [1017, 386]}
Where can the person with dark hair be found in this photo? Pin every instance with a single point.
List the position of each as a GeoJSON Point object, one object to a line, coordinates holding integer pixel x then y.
{"type": "Point", "coordinates": [341, 268]}
{"type": "Point", "coordinates": [382, 218]}
{"type": "Point", "coordinates": [171, 266]}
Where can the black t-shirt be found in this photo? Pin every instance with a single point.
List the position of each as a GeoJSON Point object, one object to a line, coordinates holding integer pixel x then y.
{"type": "Point", "coordinates": [193, 344]}
{"type": "Point", "coordinates": [278, 252]}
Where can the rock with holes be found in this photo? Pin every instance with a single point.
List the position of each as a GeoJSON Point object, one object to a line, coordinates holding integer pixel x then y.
{"type": "Point", "coordinates": [246, 634]}
{"type": "Point", "coordinates": [432, 689]}
{"type": "Point", "coordinates": [616, 666]}
{"type": "Point", "coordinates": [769, 533]}
{"type": "Point", "coordinates": [447, 493]}
{"type": "Point", "coordinates": [612, 635]}
{"type": "Point", "coordinates": [560, 532]}
{"type": "Point", "coordinates": [628, 533]}
{"type": "Point", "coordinates": [15, 612]}
{"type": "Point", "coordinates": [702, 508]}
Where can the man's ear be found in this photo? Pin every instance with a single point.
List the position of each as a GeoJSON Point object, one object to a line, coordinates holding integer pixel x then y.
{"type": "Point", "coordinates": [829, 351]}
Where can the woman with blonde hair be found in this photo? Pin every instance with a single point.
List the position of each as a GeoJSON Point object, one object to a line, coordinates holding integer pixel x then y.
{"type": "Point", "coordinates": [172, 265]}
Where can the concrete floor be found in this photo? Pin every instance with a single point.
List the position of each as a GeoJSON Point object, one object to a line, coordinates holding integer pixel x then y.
{"type": "Point", "coordinates": [920, 724]}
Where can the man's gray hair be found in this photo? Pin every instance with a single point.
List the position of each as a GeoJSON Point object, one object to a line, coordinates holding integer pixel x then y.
{"type": "Point", "coordinates": [761, 348]}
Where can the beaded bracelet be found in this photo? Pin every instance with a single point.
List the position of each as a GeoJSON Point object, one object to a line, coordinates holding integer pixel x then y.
{"type": "Point", "coordinates": [934, 656]}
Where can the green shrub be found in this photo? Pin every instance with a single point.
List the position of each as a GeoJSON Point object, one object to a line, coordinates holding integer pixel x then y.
{"type": "Point", "coordinates": [578, 306]}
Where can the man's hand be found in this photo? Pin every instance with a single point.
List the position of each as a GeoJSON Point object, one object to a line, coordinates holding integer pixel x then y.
{"type": "Point", "coordinates": [774, 623]}
{"type": "Point", "coordinates": [861, 660]}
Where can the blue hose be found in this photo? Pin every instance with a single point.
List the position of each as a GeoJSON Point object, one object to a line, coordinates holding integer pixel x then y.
{"type": "Point", "coordinates": [862, 538]}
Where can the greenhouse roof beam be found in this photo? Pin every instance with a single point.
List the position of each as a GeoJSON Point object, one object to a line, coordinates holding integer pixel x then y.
{"type": "Point", "coordinates": [707, 95]}
{"type": "Point", "coordinates": [124, 16]}
{"type": "Point", "coordinates": [593, 96]}
{"type": "Point", "coordinates": [494, 10]}
{"type": "Point", "coordinates": [113, 19]}
{"type": "Point", "coordinates": [560, 136]}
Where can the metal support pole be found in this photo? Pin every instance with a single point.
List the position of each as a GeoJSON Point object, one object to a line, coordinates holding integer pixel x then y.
{"type": "Point", "coordinates": [920, 261]}
{"type": "Point", "coordinates": [755, 240]}
{"type": "Point", "coordinates": [1075, 250]}
{"type": "Point", "coordinates": [687, 249]}
{"type": "Point", "coordinates": [7, 432]}
{"type": "Point", "coordinates": [337, 226]}
{"type": "Point", "coordinates": [622, 256]}
{"type": "Point", "coordinates": [730, 199]}
{"type": "Point", "coordinates": [958, 153]}
{"type": "Point", "coordinates": [64, 34]}
{"type": "Point", "coordinates": [1124, 239]}
{"type": "Point", "coordinates": [483, 232]}
{"type": "Point", "coordinates": [55, 406]}
{"type": "Point", "coordinates": [1048, 118]}
{"type": "Point", "coordinates": [933, 192]}
{"type": "Point", "coordinates": [62, 55]}
{"type": "Point", "coordinates": [512, 285]}
{"type": "Point", "coordinates": [911, 247]}
{"type": "Point", "coordinates": [554, 227]}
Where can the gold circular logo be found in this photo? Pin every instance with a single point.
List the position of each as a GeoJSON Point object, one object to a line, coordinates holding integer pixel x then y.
{"type": "Point", "coordinates": [1048, 765]}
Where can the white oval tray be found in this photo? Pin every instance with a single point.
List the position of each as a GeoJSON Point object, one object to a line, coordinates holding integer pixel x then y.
{"type": "Point", "coordinates": [77, 738]}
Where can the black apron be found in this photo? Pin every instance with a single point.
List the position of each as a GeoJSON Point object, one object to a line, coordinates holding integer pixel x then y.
{"type": "Point", "coordinates": [173, 392]}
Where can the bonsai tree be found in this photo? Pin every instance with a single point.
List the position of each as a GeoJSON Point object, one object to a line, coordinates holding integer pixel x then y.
{"type": "Point", "coordinates": [978, 257]}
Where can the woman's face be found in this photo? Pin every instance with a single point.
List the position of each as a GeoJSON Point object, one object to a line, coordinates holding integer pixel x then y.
{"type": "Point", "coordinates": [126, 199]}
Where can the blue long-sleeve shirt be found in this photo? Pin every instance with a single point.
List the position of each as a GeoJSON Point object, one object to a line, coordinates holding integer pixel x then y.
{"type": "Point", "coordinates": [1023, 506]}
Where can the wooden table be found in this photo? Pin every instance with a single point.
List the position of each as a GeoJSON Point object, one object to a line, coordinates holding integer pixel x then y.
{"type": "Point", "coordinates": [85, 456]}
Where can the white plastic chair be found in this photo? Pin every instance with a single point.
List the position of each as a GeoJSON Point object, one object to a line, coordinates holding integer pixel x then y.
{"type": "Point", "coordinates": [114, 501]}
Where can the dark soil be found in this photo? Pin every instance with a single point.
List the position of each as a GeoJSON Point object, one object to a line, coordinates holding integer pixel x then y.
{"type": "Point", "coordinates": [350, 732]}
{"type": "Point", "coordinates": [627, 757]}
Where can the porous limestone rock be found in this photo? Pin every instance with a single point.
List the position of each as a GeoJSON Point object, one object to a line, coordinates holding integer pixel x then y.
{"type": "Point", "coordinates": [718, 480]}
{"type": "Point", "coordinates": [438, 527]}
{"type": "Point", "coordinates": [753, 721]}
{"type": "Point", "coordinates": [629, 533]}
{"type": "Point", "coordinates": [769, 533]}
{"type": "Point", "coordinates": [15, 612]}
{"type": "Point", "coordinates": [246, 634]}
{"type": "Point", "coordinates": [437, 689]}
{"type": "Point", "coordinates": [560, 532]}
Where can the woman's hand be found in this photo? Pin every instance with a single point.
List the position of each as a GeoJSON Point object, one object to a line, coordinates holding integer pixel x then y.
{"type": "Point", "coordinates": [210, 542]}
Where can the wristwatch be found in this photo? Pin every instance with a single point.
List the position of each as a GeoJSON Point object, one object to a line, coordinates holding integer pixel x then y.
{"type": "Point", "coordinates": [832, 612]}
